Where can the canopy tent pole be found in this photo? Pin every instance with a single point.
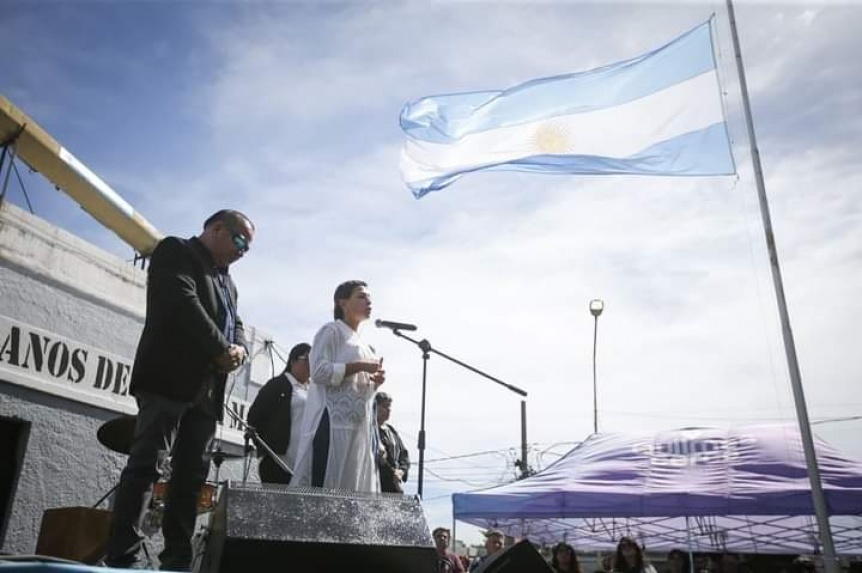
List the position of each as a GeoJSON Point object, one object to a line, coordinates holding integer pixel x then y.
{"type": "Point", "coordinates": [452, 538]}
{"type": "Point", "coordinates": [688, 543]}
{"type": "Point", "coordinates": [819, 499]}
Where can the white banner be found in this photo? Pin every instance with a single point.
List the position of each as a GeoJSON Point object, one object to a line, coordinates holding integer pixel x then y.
{"type": "Point", "coordinates": [57, 365]}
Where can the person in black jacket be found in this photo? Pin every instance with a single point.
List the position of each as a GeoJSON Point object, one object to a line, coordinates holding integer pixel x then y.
{"type": "Point", "coordinates": [192, 338]}
{"type": "Point", "coordinates": [393, 459]}
{"type": "Point", "coordinates": [276, 414]}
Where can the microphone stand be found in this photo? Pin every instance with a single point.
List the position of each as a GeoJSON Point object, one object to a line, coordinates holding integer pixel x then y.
{"type": "Point", "coordinates": [218, 456]}
{"type": "Point", "coordinates": [426, 347]}
{"type": "Point", "coordinates": [260, 443]}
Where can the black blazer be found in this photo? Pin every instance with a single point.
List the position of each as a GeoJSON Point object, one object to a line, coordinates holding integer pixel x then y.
{"type": "Point", "coordinates": [394, 457]}
{"type": "Point", "coordinates": [182, 337]}
{"type": "Point", "coordinates": [270, 413]}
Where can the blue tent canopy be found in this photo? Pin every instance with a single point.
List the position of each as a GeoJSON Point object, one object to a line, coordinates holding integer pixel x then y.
{"type": "Point", "coordinates": [742, 489]}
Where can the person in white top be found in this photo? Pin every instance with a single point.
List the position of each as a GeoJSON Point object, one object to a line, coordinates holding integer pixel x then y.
{"type": "Point", "coordinates": [277, 413]}
{"type": "Point", "coordinates": [337, 441]}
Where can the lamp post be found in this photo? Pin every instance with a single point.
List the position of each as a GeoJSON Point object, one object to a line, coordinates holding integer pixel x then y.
{"type": "Point", "coordinates": [597, 305]}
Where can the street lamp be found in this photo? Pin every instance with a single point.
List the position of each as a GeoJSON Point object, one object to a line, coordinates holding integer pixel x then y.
{"type": "Point", "coordinates": [597, 305]}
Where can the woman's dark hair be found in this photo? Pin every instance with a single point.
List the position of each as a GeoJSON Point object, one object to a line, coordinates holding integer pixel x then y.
{"type": "Point", "coordinates": [620, 563]}
{"type": "Point", "coordinates": [343, 292]}
{"type": "Point", "coordinates": [683, 556]}
{"type": "Point", "coordinates": [574, 566]}
{"type": "Point", "coordinates": [301, 349]}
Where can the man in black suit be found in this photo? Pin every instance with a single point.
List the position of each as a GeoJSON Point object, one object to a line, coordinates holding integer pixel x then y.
{"type": "Point", "coordinates": [276, 413]}
{"type": "Point", "coordinates": [192, 338]}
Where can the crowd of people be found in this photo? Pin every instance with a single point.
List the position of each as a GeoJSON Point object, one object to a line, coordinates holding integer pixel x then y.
{"type": "Point", "coordinates": [627, 557]}
{"type": "Point", "coordinates": [449, 562]}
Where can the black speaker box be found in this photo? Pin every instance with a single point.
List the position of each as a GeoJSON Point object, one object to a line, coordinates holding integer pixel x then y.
{"type": "Point", "coordinates": [312, 530]}
{"type": "Point", "coordinates": [521, 557]}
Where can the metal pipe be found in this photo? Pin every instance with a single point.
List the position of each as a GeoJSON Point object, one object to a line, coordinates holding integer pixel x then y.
{"type": "Point", "coordinates": [818, 498]}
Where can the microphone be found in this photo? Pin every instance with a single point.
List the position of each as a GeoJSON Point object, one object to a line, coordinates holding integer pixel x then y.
{"type": "Point", "coordinates": [394, 325]}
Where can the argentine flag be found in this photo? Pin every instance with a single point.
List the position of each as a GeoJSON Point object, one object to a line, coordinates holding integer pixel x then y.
{"type": "Point", "coordinates": [656, 114]}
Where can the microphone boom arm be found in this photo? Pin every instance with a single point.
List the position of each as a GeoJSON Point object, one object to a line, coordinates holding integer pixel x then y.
{"type": "Point", "coordinates": [258, 441]}
{"type": "Point", "coordinates": [425, 346]}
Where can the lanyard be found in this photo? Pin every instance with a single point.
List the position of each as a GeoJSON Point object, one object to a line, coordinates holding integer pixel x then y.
{"type": "Point", "coordinates": [227, 304]}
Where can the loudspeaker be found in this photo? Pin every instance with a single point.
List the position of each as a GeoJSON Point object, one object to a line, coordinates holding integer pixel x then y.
{"type": "Point", "coordinates": [309, 530]}
{"type": "Point", "coordinates": [521, 557]}
{"type": "Point", "coordinates": [76, 533]}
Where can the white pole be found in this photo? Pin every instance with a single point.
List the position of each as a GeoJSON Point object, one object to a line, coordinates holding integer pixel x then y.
{"type": "Point", "coordinates": [452, 537]}
{"type": "Point", "coordinates": [688, 546]}
{"type": "Point", "coordinates": [819, 499]}
{"type": "Point", "coordinates": [595, 387]}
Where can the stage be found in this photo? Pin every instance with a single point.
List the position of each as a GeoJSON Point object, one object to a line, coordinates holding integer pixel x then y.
{"type": "Point", "coordinates": [258, 526]}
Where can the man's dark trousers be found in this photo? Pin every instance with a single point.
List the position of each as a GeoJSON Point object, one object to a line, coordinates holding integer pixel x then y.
{"type": "Point", "coordinates": [160, 423]}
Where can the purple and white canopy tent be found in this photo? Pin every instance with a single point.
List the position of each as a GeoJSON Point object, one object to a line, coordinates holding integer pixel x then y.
{"type": "Point", "coordinates": [707, 489]}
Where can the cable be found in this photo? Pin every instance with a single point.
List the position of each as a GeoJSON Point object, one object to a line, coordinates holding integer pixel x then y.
{"type": "Point", "coordinates": [472, 455]}
{"type": "Point", "coordinates": [8, 147]}
{"type": "Point", "coordinates": [275, 349]}
{"type": "Point", "coordinates": [23, 188]}
{"type": "Point", "coordinates": [473, 484]}
{"type": "Point", "coordinates": [268, 346]}
{"type": "Point", "coordinates": [831, 420]}
{"type": "Point", "coordinates": [9, 170]}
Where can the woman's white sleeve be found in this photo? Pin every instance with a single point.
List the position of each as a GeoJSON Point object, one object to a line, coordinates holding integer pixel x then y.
{"type": "Point", "coordinates": [324, 368]}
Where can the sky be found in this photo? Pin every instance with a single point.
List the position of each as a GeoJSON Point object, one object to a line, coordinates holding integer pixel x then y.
{"type": "Point", "coordinates": [288, 111]}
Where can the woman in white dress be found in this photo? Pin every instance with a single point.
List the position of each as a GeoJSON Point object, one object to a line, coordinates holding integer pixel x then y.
{"type": "Point", "coordinates": [336, 448]}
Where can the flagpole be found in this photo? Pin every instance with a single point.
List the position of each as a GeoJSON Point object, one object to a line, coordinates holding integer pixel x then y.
{"type": "Point", "coordinates": [819, 499]}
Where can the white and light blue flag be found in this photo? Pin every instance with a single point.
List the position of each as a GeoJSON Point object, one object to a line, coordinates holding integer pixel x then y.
{"type": "Point", "coordinates": [656, 114]}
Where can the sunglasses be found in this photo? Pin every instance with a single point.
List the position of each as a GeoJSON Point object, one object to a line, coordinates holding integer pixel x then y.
{"type": "Point", "coordinates": [240, 242]}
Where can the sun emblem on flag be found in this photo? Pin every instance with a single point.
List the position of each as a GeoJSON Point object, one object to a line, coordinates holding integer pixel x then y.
{"type": "Point", "coordinates": [552, 138]}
